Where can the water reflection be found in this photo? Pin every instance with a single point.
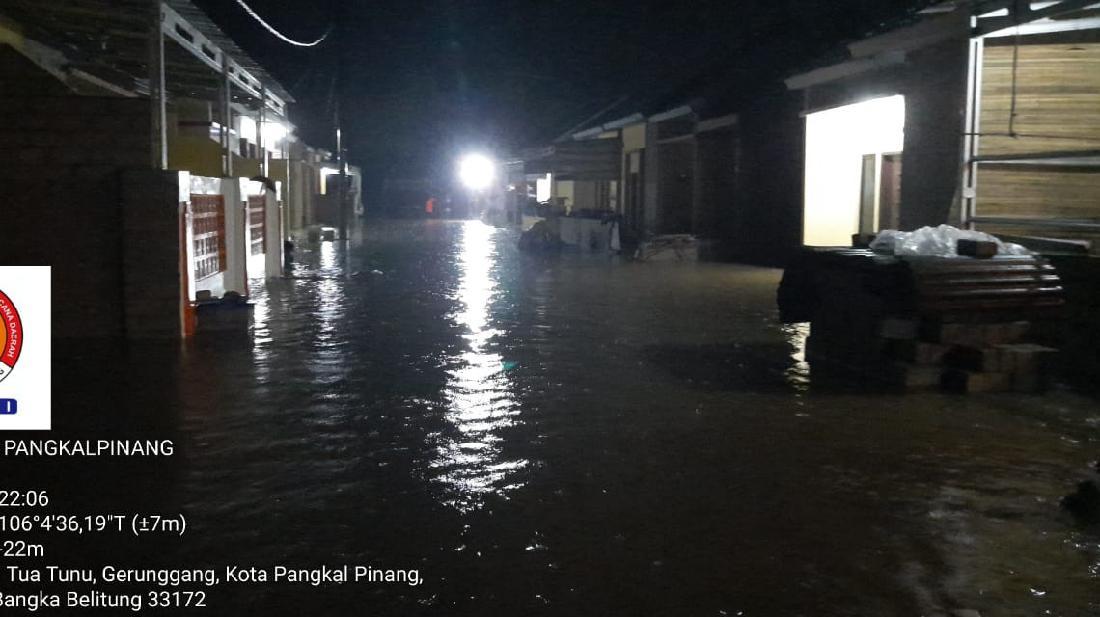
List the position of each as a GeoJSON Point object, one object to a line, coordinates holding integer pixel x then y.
{"type": "Point", "coordinates": [798, 374]}
{"type": "Point", "coordinates": [261, 319]}
{"type": "Point", "coordinates": [329, 310]}
{"type": "Point", "coordinates": [673, 460]}
{"type": "Point", "coordinates": [327, 361]}
{"type": "Point", "coordinates": [480, 403]}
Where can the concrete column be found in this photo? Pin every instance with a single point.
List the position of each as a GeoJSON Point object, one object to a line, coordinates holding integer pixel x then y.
{"type": "Point", "coordinates": [934, 149]}
{"type": "Point", "coordinates": [651, 170]}
{"type": "Point", "coordinates": [187, 257]}
{"type": "Point", "coordinates": [236, 242]}
{"type": "Point", "coordinates": [273, 236]}
{"type": "Point", "coordinates": [187, 237]}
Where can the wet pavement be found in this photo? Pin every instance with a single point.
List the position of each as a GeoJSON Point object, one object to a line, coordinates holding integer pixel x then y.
{"type": "Point", "coordinates": [573, 435]}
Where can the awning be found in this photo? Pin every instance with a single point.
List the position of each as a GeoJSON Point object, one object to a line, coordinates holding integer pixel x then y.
{"type": "Point", "coordinates": [594, 159]}
{"type": "Point", "coordinates": [109, 41]}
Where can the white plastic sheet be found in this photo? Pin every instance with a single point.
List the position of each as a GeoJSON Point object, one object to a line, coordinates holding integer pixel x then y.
{"type": "Point", "coordinates": [937, 242]}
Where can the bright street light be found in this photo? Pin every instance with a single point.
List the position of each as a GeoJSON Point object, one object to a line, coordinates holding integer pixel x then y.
{"type": "Point", "coordinates": [476, 171]}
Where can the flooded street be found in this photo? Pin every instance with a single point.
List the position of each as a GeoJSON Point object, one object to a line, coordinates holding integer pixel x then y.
{"type": "Point", "coordinates": [574, 435]}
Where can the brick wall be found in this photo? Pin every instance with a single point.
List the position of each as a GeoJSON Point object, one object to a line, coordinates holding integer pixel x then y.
{"type": "Point", "coordinates": [60, 190]}
{"type": "Point", "coordinates": [150, 202]}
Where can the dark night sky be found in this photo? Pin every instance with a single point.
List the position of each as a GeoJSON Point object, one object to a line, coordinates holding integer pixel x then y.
{"type": "Point", "coordinates": [423, 79]}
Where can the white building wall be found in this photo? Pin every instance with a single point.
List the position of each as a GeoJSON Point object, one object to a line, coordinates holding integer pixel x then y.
{"type": "Point", "coordinates": [836, 140]}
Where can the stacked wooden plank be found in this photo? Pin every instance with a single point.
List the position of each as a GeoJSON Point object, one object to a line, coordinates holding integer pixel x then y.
{"type": "Point", "coordinates": [927, 322]}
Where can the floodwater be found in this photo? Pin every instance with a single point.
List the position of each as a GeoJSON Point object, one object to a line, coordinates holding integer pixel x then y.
{"type": "Point", "coordinates": [569, 435]}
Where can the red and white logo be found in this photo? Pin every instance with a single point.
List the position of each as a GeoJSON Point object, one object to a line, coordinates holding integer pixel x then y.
{"type": "Point", "coordinates": [25, 348]}
{"type": "Point", "coordinates": [11, 335]}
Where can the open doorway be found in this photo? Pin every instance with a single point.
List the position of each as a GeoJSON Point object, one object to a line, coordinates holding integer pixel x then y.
{"type": "Point", "coordinates": [880, 192]}
{"type": "Point", "coordinates": [853, 170]}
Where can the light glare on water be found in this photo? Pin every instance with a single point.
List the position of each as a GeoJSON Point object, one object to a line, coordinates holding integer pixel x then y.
{"type": "Point", "coordinates": [480, 403]}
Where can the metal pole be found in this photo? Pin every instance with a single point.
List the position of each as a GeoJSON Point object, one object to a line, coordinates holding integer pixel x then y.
{"type": "Point", "coordinates": [157, 94]}
{"type": "Point", "coordinates": [340, 159]}
{"type": "Point", "coordinates": [973, 128]}
{"type": "Point", "coordinates": [288, 197]}
{"type": "Point", "coordinates": [342, 188]}
{"type": "Point", "coordinates": [261, 143]}
{"type": "Point", "coordinates": [227, 119]}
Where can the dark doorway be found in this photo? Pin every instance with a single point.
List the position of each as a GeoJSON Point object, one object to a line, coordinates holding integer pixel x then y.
{"type": "Point", "coordinates": [632, 193]}
{"type": "Point", "coordinates": [880, 192]}
{"type": "Point", "coordinates": [676, 186]}
{"type": "Point", "coordinates": [889, 191]}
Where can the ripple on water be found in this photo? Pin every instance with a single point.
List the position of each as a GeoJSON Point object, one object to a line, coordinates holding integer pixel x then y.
{"type": "Point", "coordinates": [614, 438]}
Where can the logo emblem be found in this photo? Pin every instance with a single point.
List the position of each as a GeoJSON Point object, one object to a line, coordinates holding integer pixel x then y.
{"type": "Point", "coordinates": [11, 335]}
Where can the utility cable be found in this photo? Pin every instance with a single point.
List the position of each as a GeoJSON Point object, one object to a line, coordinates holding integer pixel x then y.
{"type": "Point", "coordinates": [278, 34]}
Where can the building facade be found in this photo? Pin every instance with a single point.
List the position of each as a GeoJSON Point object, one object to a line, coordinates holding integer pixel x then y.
{"type": "Point", "coordinates": [146, 155]}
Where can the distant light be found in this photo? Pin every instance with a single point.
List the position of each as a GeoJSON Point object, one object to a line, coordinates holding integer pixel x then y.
{"type": "Point", "coordinates": [542, 188]}
{"type": "Point", "coordinates": [248, 128]}
{"type": "Point", "coordinates": [476, 171]}
{"type": "Point", "coordinates": [273, 132]}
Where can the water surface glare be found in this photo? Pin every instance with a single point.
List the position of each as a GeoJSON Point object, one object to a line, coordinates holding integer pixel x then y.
{"type": "Point", "coordinates": [567, 436]}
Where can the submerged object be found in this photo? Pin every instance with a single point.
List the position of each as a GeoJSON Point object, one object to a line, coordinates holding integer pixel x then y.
{"type": "Point", "coordinates": [1084, 504]}
{"type": "Point", "coordinates": [540, 238]}
{"type": "Point", "coordinates": [668, 247]}
{"type": "Point", "coordinates": [232, 313]}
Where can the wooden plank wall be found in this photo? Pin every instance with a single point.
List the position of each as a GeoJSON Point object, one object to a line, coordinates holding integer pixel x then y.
{"type": "Point", "coordinates": [1021, 191]}
{"type": "Point", "coordinates": [1057, 98]}
{"type": "Point", "coordinates": [1057, 109]}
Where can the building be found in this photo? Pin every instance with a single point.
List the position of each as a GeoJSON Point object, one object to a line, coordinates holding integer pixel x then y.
{"type": "Point", "coordinates": [979, 114]}
{"type": "Point", "coordinates": [144, 145]}
{"type": "Point", "coordinates": [684, 162]}
{"type": "Point", "coordinates": [982, 115]}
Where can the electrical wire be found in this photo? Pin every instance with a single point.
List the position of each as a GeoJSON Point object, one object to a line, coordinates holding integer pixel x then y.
{"type": "Point", "coordinates": [280, 35]}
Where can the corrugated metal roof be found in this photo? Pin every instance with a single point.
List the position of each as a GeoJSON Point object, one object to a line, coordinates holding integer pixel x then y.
{"type": "Point", "coordinates": [198, 18]}
{"type": "Point", "coordinates": [109, 39]}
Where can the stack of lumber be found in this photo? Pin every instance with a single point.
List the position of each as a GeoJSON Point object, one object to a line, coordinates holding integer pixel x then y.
{"type": "Point", "coordinates": [959, 323]}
